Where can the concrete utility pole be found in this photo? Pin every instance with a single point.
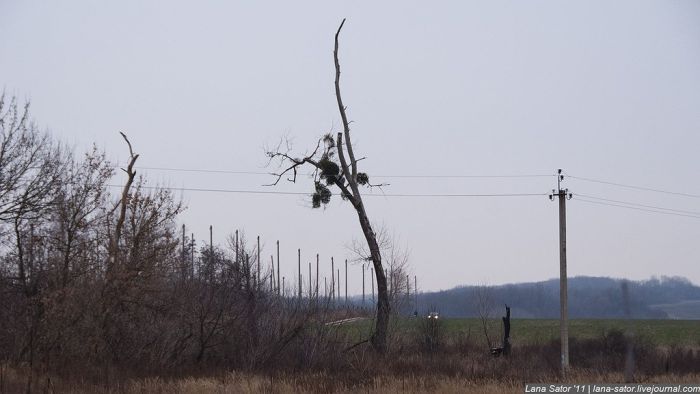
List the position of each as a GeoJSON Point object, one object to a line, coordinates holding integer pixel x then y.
{"type": "Point", "coordinates": [317, 276]}
{"type": "Point", "coordinates": [183, 243]}
{"type": "Point", "coordinates": [247, 272]}
{"type": "Point", "coordinates": [371, 279]}
{"type": "Point", "coordinates": [211, 250]}
{"type": "Point", "coordinates": [184, 258]}
{"type": "Point", "coordinates": [278, 265]}
{"type": "Point", "coordinates": [563, 195]}
{"type": "Point", "coordinates": [332, 279]}
{"type": "Point", "coordinates": [408, 288]}
{"type": "Point", "coordinates": [272, 281]}
{"type": "Point", "coordinates": [389, 284]}
{"type": "Point", "coordinates": [299, 254]}
{"type": "Point", "coordinates": [310, 282]}
{"type": "Point", "coordinates": [192, 249]}
{"type": "Point", "coordinates": [346, 281]}
{"type": "Point", "coordinates": [258, 274]}
{"type": "Point", "coordinates": [415, 289]}
{"type": "Point", "coordinates": [363, 285]}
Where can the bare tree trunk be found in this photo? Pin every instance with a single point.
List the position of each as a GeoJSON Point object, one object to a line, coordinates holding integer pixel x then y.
{"type": "Point", "coordinates": [383, 309]}
{"type": "Point", "coordinates": [347, 179]}
{"type": "Point", "coordinates": [114, 244]}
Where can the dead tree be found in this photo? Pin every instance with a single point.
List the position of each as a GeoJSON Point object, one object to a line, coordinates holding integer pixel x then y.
{"type": "Point", "coordinates": [506, 332]}
{"type": "Point", "coordinates": [123, 202]}
{"type": "Point", "coordinates": [505, 347]}
{"type": "Point", "coordinates": [343, 174]}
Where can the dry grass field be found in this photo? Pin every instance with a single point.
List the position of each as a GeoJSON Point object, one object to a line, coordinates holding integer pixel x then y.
{"type": "Point", "coordinates": [449, 356]}
{"type": "Point", "coordinates": [244, 383]}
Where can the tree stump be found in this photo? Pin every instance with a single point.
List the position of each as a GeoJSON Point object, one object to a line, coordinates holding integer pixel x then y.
{"type": "Point", "coordinates": [505, 347]}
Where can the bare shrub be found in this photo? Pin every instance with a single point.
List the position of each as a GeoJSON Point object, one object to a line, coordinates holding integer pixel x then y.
{"type": "Point", "coordinates": [485, 307]}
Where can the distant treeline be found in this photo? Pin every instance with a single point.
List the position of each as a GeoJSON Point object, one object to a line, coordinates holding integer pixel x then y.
{"type": "Point", "coordinates": [589, 297]}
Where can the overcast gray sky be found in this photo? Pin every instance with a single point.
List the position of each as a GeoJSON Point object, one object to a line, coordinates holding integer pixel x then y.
{"type": "Point", "coordinates": [605, 90]}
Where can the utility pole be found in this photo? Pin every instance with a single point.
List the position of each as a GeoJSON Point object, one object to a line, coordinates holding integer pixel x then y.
{"type": "Point", "coordinates": [408, 289]}
{"type": "Point", "coordinates": [390, 274]}
{"type": "Point", "coordinates": [310, 282]}
{"type": "Point", "coordinates": [563, 195]}
{"type": "Point", "coordinates": [247, 272]}
{"type": "Point", "coordinates": [278, 266]}
{"type": "Point", "coordinates": [192, 249]}
{"type": "Point", "coordinates": [338, 284]}
{"type": "Point", "coordinates": [415, 290]}
{"type": "Point", "coordinates": [346, 281]}
{"type": "Point", "coordinates": [299, 254]}
{"type": "Point", "coordinates": [184, 258]}
{"type": "Point", "coordinates": [258, 274]}
{"type": "Point", "coordinates": [332, 279]}
{"type": "Point", "coordinates": [363, 285]}
{"type": "Point", "coordinates": [371, 279]}
{"type": "Point", "coordinates": [211, 268]}
{"type": "Point", "coordinates": [272, 281]}
{"type": "Point", "coordinates": [317, 276]}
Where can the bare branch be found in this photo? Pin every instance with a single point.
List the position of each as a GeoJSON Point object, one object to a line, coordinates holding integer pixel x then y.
{"type": "Point", "coordinates": [131, 151]}
{"type": "Point", "coordinates": [296, 162]}
{"type": "Point", "coordinates": [341, 107]}
{"type": "Point", "coordinates": [378, 185]}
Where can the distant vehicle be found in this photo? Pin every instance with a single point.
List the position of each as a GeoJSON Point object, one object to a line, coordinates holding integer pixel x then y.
{"type": "Point", "coordinates": [433, 315]}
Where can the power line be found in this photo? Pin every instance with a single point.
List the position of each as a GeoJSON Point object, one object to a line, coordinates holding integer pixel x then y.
{"type": "Point", "coordinates": [466, 176]}
{"type": "Point", "coordinates": [453, 176]}
{"type": "Point", "coordinates": [639, 205]}
{"type": "Point", "coordinates": [190, 189]}
{"type": "Point", "coordinates": [204, 171]}
{"type": "Point", "coordinates": [637, 209]}
{"type": "Point", "coordinates": [649, 189]}
{"type": "Point", "coordinates": [460, 195]}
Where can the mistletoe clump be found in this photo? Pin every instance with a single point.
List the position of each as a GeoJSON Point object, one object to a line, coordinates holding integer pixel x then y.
{"type": "Point", "coordinates": [330, 171]}
{"type": "Point", "coordinates": [321, 196]}
{"type": "Point", "coordinates": [329, 141]}
{"type": "Point", "coordinates": [362, 178]}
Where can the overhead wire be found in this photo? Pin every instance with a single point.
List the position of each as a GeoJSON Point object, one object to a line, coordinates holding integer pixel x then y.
{"type": "Point", "coordinates": [211, 171]}
{"type": "Point", "coordinates": [200, 170]}
{"type": "Point", "coordinates": [628, 186]}
{"type": "Point", "coordinates": [637, 204]}
{"type": "Point", "coordinates": [240, 191]}
{"type": "Point", "coordinates": [635, 208]}
{"type": "Point", "coordinates": [579, 197]}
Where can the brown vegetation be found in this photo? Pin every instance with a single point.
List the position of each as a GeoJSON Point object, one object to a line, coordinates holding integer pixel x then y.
{"type": "Point", "coordinates": [455, 365]}
{"type": "Point", "coordinates": [102, 295]}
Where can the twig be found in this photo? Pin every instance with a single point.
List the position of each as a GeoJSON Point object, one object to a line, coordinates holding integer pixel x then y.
{"type": "Point", "coordinates": [356, 345]}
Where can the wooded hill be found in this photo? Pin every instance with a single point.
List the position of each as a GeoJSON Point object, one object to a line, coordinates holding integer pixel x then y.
{"type": "Point", "coordinates": [589, 297]}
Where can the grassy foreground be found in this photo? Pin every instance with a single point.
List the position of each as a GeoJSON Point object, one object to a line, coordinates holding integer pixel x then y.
{"type": "Point", "coordinates": [451, 359]}
{"type": "Point", "coordinates": [236, 382]}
